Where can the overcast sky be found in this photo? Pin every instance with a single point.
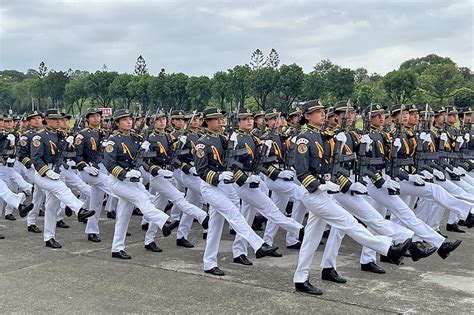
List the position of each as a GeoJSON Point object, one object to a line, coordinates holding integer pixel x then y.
{"type": "Point", "coordinates": [202, 37]}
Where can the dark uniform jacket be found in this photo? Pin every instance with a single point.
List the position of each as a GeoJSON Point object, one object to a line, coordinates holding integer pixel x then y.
{"type": "Point", "coordinates": [120, 152]}
{"type": "Point", "coordinates": [209, 157]}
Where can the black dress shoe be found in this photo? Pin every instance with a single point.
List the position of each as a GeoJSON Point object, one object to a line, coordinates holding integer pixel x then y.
{"type": "Point", "coordinates": [121, 254]}
{"type": "Point", "coordinates": [454, 228]}
{"type": "Point", "coordinates": [371, 267]}
{"type": "Point", "coordinates": [215, 271]}
{"type": "Point", "coordinates": [265, 250]}
{"type": "Point", "coordinates": [2, 237]}
{"type": "Point", "coordinates": [52, 243]}
{"type": "Point", "coordinates": [93, 238]}
{"type": "Point", "coordinates": [145, 227]}
{"type": "Point", "coordinates": [168, 227]}
{"type": "Point", "coordinates": [205, 223]}
{"type": "Point", "coordinates": [184, 243]}
{"type": "Point", "coordinates": [330, 274]}
{"type": "Point", "coordinates": [396, 251]}
{"type": "Point", "coordinates": [153, 247]}
{"type": "Point", "coordinates": [111, 214]}
{"type": "Point", "coordinates": [275, 254]}
{"type": "Point", "coordinates": [417, 252]}
{"type": "Point", "coordinates": [243, 260]}
{"type": "Point", "coordinates": [385, 259]}
{"type": "Point", "coordinates": [469, 222]}
{"type": "Point", "coordinates": [137, 211]}
{"type": "Point", "coordinates": [294, 246]}
{"type": "Point", "coordinates": [168, 207]}
{"type": "Point", "coordinates": [84, 214]}
{"type": "Point", "coordinates": [307, 287]}
{"type": "Point", "coordinates": [68, 211]}
{"type": "Point", "coordinates": [441, 233]}
{"type": "Point", "coordinates": [447, 247]}
{"type": "Point", "coordinates": [204, 235]}
{"type": "Point", "coordinates": [10, 217]}
{"type": "Point", "coordinates": [128, 234]}
{"type": "Point", "coordinates": [232, 232]}
{"type": "Point", "coordinates": [61, 224]}
{"type": "Point", "coordinates": [258, 222]}
{"type": "Point", "coordinates": [25, 209]}
{"type": "Point", "coordinates": [33, 228]}
{"type": "Point", "coordinates": [41, 213]}
{"type": "Point", "coordinates": [84, 221]}
{"type": "Point", "coordinates": [461, 223]}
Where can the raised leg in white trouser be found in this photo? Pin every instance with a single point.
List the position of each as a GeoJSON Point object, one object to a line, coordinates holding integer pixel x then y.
{"type": "Point", "coordinates": [221, 207]}
{"type": "Point", "coordinates": [430, 212]}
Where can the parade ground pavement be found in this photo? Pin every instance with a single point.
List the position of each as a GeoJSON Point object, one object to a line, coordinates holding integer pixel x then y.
{"type": "Point", "coordinates": [81, 277]}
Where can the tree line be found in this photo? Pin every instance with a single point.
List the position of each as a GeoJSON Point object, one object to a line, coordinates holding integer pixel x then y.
{"type": "Point", "coordinates": [261, 84]}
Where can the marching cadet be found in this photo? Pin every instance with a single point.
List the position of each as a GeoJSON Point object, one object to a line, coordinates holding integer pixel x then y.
{"type": "Point", "coordinates": [120, 157]}
{"type": "Point", "coordinates": [384, 189]}
{"type": "Point", "coordinates": [247, 183]}
{"type": "Point", "coordinates": [259, 124]}
{"type": "Point", "coordinates": [215, 188]}
{"type": "Point", "coordinates": [309, 165]}
{"type": "Point", "coordinates": [89, 149]}
{"type": "Point", "coordinates": [46, 148]}
{"type": "Point", "coordinates": [160, 143]}
{"type": "Point", "coordinates": [35, 122]}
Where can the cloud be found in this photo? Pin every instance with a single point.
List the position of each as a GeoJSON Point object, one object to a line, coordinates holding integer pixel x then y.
{"type": "Point", "coordinates": [202, 37]}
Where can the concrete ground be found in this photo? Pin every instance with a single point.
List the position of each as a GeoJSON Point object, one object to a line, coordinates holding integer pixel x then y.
{"type": "Point", "coordinates": [82, 277]}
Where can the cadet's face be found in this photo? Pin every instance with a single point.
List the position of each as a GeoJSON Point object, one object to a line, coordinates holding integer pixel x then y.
{"type": "Point", "coordinates": [178, 123]}
{"type": "Point", "coordinates": [259, 120]}
{"type": "Point", "coordinates": [467, 118]}
{"type": "Point", "coordinates": [350, 117]}
{"type": "Point", "coordinates": [378, 120]}
{"type": "Point", "coordinates": [246, 124]}
{"type": "Point", "coordinates": [124, 123]}
{"type": "Point", "coordinates": [405, 117]}
{"type": "Point", "coordinates": [53, 123]}
{"type": "Point", "coordinates": [196, 122]}
{"type": "Point", "coordinates": [24, 124]}
{"type": "Point", "coordinates": [453, 118]}
{"type": "Point", "coordinates": [160, 123]}
{"type": "Point", "coordinates": [270, 122]}
{"type": "Point", "coordinates": [9, 124]}
{"type": "Point", "coordinates": [215, 124]}
{"type": "Point", "coordinates": [36, 122]}
{"type": "Point", "coordinates": [439, 120]}
{"type": "Point", "coordinates": [294, 119]}
{"type": "Point", "coordinates": [138, 122]}
{"type": "Point", "coordinates": [316, 118]}
{"type": "Point", "coordinates": [93, 120]}
{"type": "Point", "coordinates": [414, 118]}
{"type": "Point", "coordinates": [64, 123]}
{"type": "Point", "coordinates": [2, 124]}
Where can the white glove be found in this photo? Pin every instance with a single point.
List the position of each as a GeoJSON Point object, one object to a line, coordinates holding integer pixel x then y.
{"type": "Point", "coordinates": [444, 137]}
{"type": "Point", "coordinates": [288, 174]}
{"type": "Point", "coordinates": [70, 163]}
{"type": "Point", "coordinates": [165, 173]}
{"type": "Point", "coordinates": [460, 171]}
{"type": "Point", "coordinates": [391, 184]}
{"type": "Point", "coordinates": [467, 137]}
{"type": "Point", "coordinates": [133, 174]}
{"type": "Point", "coordinates": [193, 171]}
{"type": "Point", "coordinates": [460, 140]}
{"type": "Point", "coordinates": [438, 174]}
{"type": "Point", "coordinates": [397, 143]}
{"type": "Point", "coordinates": [366, 139]}
{"type": "Point", "coordinates": [253, 179]}
{"type": "Point", "coordinates": [329, 186]}
{"type": "Point", "coordinates": [423, 135]}
{"type": "Point", "coordinates": [416, 179]}
{"type": "Point", "coordinates": [70, 140]}
{"type": "Point", "coordinates": [268, 143]}
{"type": "Point", "coordinates": [52, 175]}
{"type": "Point", "coordinates": [105, 143]}
{"type": "Point", "coordinates": [226, 175]}
{"type": "Point", "coordinates": [358, 187]}
{"type": "Point", "coordinates": [233, 138]}
{"type": "Point", "coordinates": [145, 146]}
{"type": "Point", "coordinates": [11, 138]}
{"type": "Point", "coordinates": [91, 170]}
{"type": "Point", "coordinates": [11, 160]}
{"type": "Point", "coordinates": [427, 174]}
{"type": "Point", "coordinates": [183, 139]}
{"type": "Point", "coordinates": [341, 136]}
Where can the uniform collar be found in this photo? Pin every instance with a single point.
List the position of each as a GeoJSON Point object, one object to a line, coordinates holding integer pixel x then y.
{"type": "Point", "coordinates": [212, 133]}
{"type": "Point", "coordinates": [156, 131]}
{"type": "Point", "coordinates": [313, 128]}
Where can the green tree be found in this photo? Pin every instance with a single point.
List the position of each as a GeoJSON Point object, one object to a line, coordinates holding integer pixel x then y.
{"type": "Point", "coordinates": [221, 88]}
{"type": "Point", "coordinates": [256, 59]}
{"type": "Point", "coordinates": [290, 83]}
{"type": "Point", "coordinates": [263, 82]}
{"type": "Point", "coordinates": [440, 80]}
{"type": "Point", "coordinates": [176, 85]}
{"type": "Point", "coordinates": [13, 75]}
{"type": "Point", "coordinates": [199, 92]}
{"type": "Point", "coordinates": [313, 86]}
{"type": "Point", "coordinates": [97, 86]}
{"type": "Point", "coordinates": [400, 85]}
{"type": "Point", "coordinates": [75, 94]}
{"type": "Point", "coordinates": [240, 83]}
{"type": "Point", "coordinates": [140, 66]}
{"type": "Point", "coordinates": [419, 65]}
{"type": "Point", "coordinates": [118, 89]}
{"type": "Point", "coordinates": [463, 97]}
{"type": "Point", "coordinates": [6, 95]}
{"type": "Point", "coordinates": [158, 90]}
{"type": "Point", "coordinates": [273, 59]}
{"type": "Point", "coordinates": [340, 83]}
{"type": "Point", "coordinates": [364, 94]}
{"type": "Point", "coordinates": [137, 88]}
{"type": "Point", "coordinates": [55, 83]}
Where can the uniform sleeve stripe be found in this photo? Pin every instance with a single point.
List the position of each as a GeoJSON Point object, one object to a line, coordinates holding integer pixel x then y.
{"type": "Point", "coordinates": [309, 179]}
{"type": "Point", "coordinates": [238, 175]}
{"type": "Point", "coordinates": [210, 176]}
{"type": "Point", "coordinates": [25, 160]}
{"type": "Point", "coordinates": [43, 170]}
{"type": "Point", "coordinates": [116, 171]}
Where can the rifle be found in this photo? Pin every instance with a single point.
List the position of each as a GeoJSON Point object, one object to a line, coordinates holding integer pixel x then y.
{"type": "Point", "coordinates": [364, 164]}
{"type": "Point", "coordinates": [290, 152]}
{"type": "Point", "coordinates": [230, 153]}
{"type": "Point", "coordinates": [63, 153]}
{"type": "Point", "coordinates": [174, 162]}
{"type": "Point", "coordinates": [14, 132]}
{"type": "Point", "coordinates": [444, 156]}
{"type": "Point", "coordinates": [138, 159]}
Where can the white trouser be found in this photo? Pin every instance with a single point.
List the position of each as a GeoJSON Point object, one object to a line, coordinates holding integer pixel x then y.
{"type": "Point", "coordinates": [167, 191]}
{"type": "Point", "coordinates": [10, 175]}
{"type": "Point", "coordinates": [263, 204]}
{"type": "Point", "coordinates": [132, 194]}
{"type": "Point", "coordinates": [465, 185]}
{"type": "Point", "coordinates": [434, 192]}
{"type": "Point", "coordinates": [100, 186]}
{"type": "Point", "coordinates": [323, 210]}
{"type": "Point", "coordinates": [220, 208]}
{"type": "Point", "coordinates": [10, 198]}
{"type": "Point", "coordinates": [358, 206]}
{"type": "Point", "coordinates": [193, 196]}
{"type": "Point", "coordinates": [38, 198]}
{"type": "Point", "coordinates": [430, 212]}
{"type": "Point", "coordinates": [282, 192]}
{"type": "Point", "coordinates": [176, 213]}
{"type": "Point", "coordinates": [399, 209]}
{"type": "Point", "coordinates": [56, 192]}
